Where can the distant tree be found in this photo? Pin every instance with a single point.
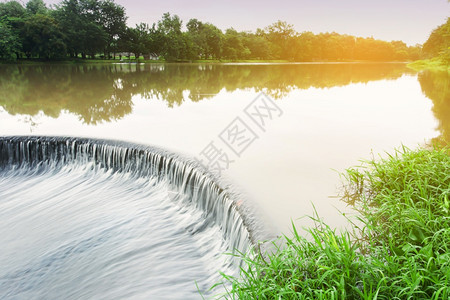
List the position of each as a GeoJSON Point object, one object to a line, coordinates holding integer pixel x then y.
{"type": "Point", "coordinates": [207, 39]}
{"type": "Point", "coordinates": [258, 47]}
{"type": "Point", "coordinates": [9, 42]}
{"type": "Point", "coordinates": [95, 39]}
{"type": "Point", "coordinates": [92, 27]}
{"type": "Point", "coordinates": [36, 7]}
{"type": "Point", "coordinates": [81, 21]}
{"type": "Point", "coordinates": [137, 40]}
{"type": "Point", "coordinates": [281, 35]}
{"type": "Point", "coordinates": [69, 16]}
{"type": "Point", "coordinates": [438, 41]}
{"type": "Point", "coordinates": [43, 37]}
{"type": "Point", "coordinates": [415, 52]}
{"type": "Point", "coordinates": [113, 20]}
{"type": "Point", "coordinates": [305, 49]}
{"type": "Point", "coordinates": [400, 50]}
{"type": "Point", "coordinates": [196, 35]}
{"type": "Point", "coordinates": [233, 46]}
{"type": "Point", "coordinates": [12, 9]}
{"type": "Point", "coordinates": [214, 40]}
{"type": "Point", "coordinates": [171, 37]}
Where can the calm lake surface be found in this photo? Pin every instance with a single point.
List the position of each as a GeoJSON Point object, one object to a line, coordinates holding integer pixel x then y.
{"type": "Point", "coordinates": [316, 120]}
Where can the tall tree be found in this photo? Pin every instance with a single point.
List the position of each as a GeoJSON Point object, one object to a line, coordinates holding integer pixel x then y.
{"type": "Point", "coordinates": [137, 40]}
{"type": "Point", "coordinates": [195, 32]}
{"type": "Point", "coordinates": [36, 7]}
{"type": "Point", "coordinates": [12, 9]}
{"type": "Point", "coordinates": [281, 35]}
{"type": "Point", "coordinates": [113, 19]}
{"type": "Point", "coordinates": [81, 23]}
{"type": "Point", "coordinates": [438, 41]}
{"type": "Point", "coordinates": [9, 42]}
{"type": "Point", "coordinates": [43, 37]}
{"type": "Point", "coordinates": [169, 28]}
{"type": "Point", "coordinates": [233, 46]}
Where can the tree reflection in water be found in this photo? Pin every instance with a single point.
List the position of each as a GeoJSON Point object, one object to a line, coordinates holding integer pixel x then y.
{"type": "Point", "coordinates": [103, 93]}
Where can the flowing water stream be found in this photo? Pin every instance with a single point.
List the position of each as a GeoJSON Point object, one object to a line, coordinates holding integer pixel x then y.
{"type": "Point", "coordinates": [97, 219]}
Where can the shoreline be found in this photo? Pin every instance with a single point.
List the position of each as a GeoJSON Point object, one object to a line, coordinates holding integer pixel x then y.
{"type": "Point", "coordinates": [212, 61]}
{"type": "Point", "coordinates": [433, 64]}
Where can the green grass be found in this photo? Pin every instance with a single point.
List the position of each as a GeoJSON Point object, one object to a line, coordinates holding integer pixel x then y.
{"type": "Point", "coordinates": [429, 64]}
{"type": "Point", "coordinates": [399, 247]}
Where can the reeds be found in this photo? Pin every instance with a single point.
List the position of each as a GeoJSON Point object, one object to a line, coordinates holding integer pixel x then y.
{"type": "Point", "coordinates": [398, 249]}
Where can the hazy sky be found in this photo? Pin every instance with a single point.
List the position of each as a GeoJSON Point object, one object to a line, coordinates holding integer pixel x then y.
{"type": "Point", "coordinates": [407, 20]}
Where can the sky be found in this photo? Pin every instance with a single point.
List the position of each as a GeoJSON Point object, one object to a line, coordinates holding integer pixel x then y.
{"type": "Point", "coordinates": [408, 20]}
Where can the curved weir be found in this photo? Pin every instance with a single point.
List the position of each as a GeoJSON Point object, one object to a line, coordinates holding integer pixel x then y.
{"type": "Point", "coordinates": [87, 218]}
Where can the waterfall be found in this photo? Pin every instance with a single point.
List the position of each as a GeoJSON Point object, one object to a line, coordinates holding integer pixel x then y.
{"type": "Point", "coordinates": [191, 187]}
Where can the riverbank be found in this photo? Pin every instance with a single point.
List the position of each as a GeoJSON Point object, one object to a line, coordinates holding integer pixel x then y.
{"type": "Point", "coordinates": [131, 61]}
{"type": "Point", "coordinates": [151, 61]}
{"type": "Point", "coordinates": [399, 247]}
{"type": "Point", "coordinates": [429, 64]}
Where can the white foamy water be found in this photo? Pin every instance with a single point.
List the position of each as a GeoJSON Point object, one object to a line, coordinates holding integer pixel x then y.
{"type": "Point", "coordinates": [78, 229]}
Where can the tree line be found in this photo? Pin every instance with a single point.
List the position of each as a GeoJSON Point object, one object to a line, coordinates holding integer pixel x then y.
{"type": "Point", "coordinates": [438, 44]}
{"type": "Point", "coordinates": [98, 29]}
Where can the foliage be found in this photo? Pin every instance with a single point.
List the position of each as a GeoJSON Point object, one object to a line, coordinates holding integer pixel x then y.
{"type": "Point", "coordinates": [36, 7]}
{"type": "Point", "coordinates": [43, 38]}
{"type": "Point", "coordinates": [9, 43]}
{"type": "Point", "coordinates": [399, 249]}
{"type": "Point", "coordinates": [438, 41]}
{"type": "Point", "coordinates": [92, 28]}
{"type": "Point", "coordinates": [12, 9]}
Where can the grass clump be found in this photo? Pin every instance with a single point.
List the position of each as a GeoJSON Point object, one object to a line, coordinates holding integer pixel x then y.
{"type": "Point", "coordinates": [398, 249]}
{"type": "Point", "coordinates": [437, 64]}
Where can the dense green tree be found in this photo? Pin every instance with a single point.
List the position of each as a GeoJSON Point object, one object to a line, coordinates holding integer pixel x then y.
{"type": "Point", "coordinates": [113, 19]}
{"type": "Point", "coordinates": [71, 20]}
{"type": "Point", "coordinates": [43, 37]}
{"type": "Point", "coordinates": [12, 9]}
{"type": "Point", "coordinates": [36, 7]}
{"type": "Point", "coordinates": [137, 40]}
{"type": "Point", "coordinates": [171, 37]}
{"type": "Point", "coordinates": [438, 41]}
{"type": "Point", "coordinates": [14, 14]}
{"type": "Point", "coordinates": [95, 40]}
{"type": "Point", "coordinates": [81, 21]}
{"type": "Point", "coordinates": [233, 45]}
{"type": "Point", "coordinates": [305, 50]}
{"type": "Point", "coordinates": [198, 39]}
{"type": "Point", "coordinates": [281, 35]}
{"type": "Point", "coordinates": [258, 46]}
{"type": "Point", "coordinates": [214, 40]}
{"type": "Point", "coordinates": [9, 42]}
{"type": "Point", "coordinates": [207, 39]}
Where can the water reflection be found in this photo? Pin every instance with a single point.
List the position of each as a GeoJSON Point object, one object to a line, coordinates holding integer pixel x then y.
{"type": "Point", "coordinates": [436, 86]}
{"type": "Point", "coordinates": [103, 93]}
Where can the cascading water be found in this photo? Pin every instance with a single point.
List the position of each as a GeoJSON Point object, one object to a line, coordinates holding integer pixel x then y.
{"type": "Point", "coordinates": [96, 219]}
